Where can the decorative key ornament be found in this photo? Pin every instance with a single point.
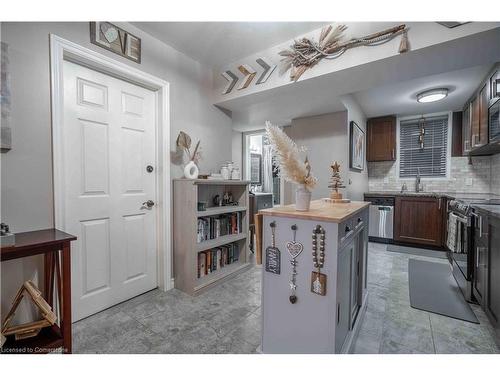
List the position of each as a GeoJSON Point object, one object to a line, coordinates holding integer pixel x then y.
{"type": "Point", "coordinates": [294, 249]}
{"type": "Point", "coordinates": [318, 279]}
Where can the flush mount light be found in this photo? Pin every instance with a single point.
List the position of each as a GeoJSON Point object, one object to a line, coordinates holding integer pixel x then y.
{"type": "Point", "coordinates": [432, 95]}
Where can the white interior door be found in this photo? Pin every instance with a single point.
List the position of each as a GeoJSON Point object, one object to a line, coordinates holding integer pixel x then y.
{"type": "Point", "coordinates": [109, 137]}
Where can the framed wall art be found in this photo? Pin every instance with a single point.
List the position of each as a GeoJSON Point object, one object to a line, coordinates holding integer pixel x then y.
{"type": "Point", "coordinates": [115, 39]}
{"type": "Point", "coordinates": [356, 147]}
{"type": "Point", "coordinates": [255, 169]}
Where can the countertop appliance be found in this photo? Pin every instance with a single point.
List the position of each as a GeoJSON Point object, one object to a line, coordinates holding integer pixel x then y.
{"type": "Point", "coordinates": [460, 244]}
{"type": "Point", "coordinates": [381, 213]}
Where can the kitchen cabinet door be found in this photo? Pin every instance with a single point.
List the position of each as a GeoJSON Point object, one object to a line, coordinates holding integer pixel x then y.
{"type": "Point", "coordinates": [344, 268]}
{"type": "Point", "coordinates": [420, 220]}
{"type": "Point", "coordinates": [482, 138]}
{"type": "Point", "coordinates": [355, 281]}
{"type": "Point", "coordinates": [466, 129]}
{"type": "Point", "coordinates": [493, 278]}
{"type": "Point", "coordinates": [381, 140]}
{"type": "Point", "coordinates": [474, 106]}
{"type": "Point", "coordinates": [480, 258]}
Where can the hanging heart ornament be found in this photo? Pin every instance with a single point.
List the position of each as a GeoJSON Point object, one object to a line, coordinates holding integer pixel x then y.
{"type": "Point", "coordinates": [294, 248]}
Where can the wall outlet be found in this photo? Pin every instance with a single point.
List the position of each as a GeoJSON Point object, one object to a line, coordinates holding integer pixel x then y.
{"type": "Point", "coordinates": [468, 181]}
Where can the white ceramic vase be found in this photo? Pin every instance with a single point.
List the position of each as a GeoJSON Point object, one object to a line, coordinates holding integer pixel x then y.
{"type": "Point", "coordinates": [191, 170]}
{"type": "Point", "coordinates": [302, 198]}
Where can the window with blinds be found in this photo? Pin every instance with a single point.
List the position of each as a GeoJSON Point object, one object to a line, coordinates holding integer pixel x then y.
{"type": "Point", "coordinates": [431, 157]}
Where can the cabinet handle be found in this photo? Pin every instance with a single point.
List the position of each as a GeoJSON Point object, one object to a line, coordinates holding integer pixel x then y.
{"type": "Point", "coordinates": [393, 153]}
{"type": "Point", "coordinates": [338, 313]}
{"type": "Point", "coordinates": [439, 204]}
{"type": "Point", "coordinates": [478, 250]}
{"type": "Point", "coordinates": [480, 226]}
{"type": "Point", "coordinates": [360, 223]}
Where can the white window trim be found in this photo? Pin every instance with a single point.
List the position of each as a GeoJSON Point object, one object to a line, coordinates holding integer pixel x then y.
{"type": "Point", "coordinates": [448, 145]}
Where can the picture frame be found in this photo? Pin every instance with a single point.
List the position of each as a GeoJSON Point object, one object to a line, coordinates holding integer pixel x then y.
{"type": "Point", "coordinates": [255, 169]}
{"type": "Point", "coordinates": [356, 147]}
{"type": "Point", "coordinates": [115, 39]}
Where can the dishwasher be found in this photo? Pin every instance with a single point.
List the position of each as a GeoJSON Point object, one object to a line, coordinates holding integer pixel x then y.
{"type": "Point", "coordinates": [381, 223]}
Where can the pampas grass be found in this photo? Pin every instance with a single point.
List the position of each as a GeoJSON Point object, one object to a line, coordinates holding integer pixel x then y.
{"type": "Point", "coordinates": [292, 168]}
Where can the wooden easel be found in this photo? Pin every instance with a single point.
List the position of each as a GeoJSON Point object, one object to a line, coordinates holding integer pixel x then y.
{"type": "Point", "coordinates": [32, 329]}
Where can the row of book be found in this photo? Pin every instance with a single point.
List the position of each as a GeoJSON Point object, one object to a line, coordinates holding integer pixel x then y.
{"type": "Point", "coordinates": [214, 259]}
{"type": "Point", "coordinates": [213, 227]}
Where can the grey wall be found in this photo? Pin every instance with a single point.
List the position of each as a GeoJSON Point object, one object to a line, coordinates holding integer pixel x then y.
{"type": "Point", "coordinates": [26, 189]}
{"type": "Point", "coordinates": [357, 180]}
{"type": "Point", "coordinates": [237, 149]}
{"type": "Point", "coordinates": [325, 138]}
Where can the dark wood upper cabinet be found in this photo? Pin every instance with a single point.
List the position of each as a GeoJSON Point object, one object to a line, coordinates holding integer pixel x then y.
{"type": "Point", "coordinates": [474, 105]}
{"type": "Point", "coordinates": [479, 118]}
{"type": "Point", "coordinates": [381, 142]}
{"type": "Point", "coordinates": [483, 98]}
{"type": "Point", "coordinates": [466, 129]}
{"type": "Point", "coordinates": [456, 134]}
{"type": "Point", "coordinates": [420, 220]}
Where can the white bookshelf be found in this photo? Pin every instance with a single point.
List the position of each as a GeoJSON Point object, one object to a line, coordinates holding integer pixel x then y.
{"type": "Point", "coordinates": [187, 194]}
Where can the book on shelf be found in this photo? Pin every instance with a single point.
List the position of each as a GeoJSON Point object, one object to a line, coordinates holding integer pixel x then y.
{"type": "Point", "coordinates": [217, 258]}
{"type": "Point", "coordinates": [213, 227]}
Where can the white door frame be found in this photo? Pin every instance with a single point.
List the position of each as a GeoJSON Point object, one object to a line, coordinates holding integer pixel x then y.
{"type": "Point", "coordinates": [61, 50]}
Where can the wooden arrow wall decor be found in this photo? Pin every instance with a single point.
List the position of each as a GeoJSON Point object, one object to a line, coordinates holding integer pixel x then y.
{"type": "Point", "coordinates": [249, 74]}
{"type": "Point", "coordinates": [266, 73]}
{"type": "Point", "coordinates": [231, 81]}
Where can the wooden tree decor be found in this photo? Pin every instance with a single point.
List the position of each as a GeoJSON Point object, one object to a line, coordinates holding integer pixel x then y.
{"type": "Point", "coordinates": [32, 329]}
{"type": "Point", "coordinates": [306, 53]}
{"type": "Point", "coordinates": [336, 183]}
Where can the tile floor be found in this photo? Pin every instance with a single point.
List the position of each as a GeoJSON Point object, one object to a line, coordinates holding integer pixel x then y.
{"type": "Point", "coordinates": [226, 319]}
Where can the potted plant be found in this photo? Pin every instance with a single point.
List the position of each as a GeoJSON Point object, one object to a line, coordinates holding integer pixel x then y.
{"type": "Point", "coordinates": [292, 168]}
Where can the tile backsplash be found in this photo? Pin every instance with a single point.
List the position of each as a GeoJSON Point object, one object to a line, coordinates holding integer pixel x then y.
{"type": "Point", "coordinates": [483, 176]}
{"type": "Point", "coordinates": [495, 174]}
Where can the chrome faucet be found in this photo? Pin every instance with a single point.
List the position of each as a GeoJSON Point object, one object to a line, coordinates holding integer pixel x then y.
{"type": "Point", "coordinates": [418, 186]}
{"type": "Point", "coordinates": [404, 188]}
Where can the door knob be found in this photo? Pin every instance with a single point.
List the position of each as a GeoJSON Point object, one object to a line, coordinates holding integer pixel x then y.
{"type": "Point", "coordinates": [148, 204]}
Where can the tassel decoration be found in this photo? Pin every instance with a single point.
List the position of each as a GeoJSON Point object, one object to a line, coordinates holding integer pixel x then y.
{"type": "Point", "coordinates": [404, 45]}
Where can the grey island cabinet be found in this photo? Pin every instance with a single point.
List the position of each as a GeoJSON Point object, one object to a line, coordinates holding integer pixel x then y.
{"type": "Point", "coordinates": [301, 311]}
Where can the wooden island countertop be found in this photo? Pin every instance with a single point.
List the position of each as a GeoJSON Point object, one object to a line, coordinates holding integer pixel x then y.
{"type": "Point", "coordinates": [319, 210]}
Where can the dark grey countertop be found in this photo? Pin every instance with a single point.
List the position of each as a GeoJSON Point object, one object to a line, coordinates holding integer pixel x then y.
{"type": "Point", "coordinates": [423, 194]}
{"type": "Point", "coordinates": [492, 209]}
{"type": "Point", "coordinates": [467, 197]}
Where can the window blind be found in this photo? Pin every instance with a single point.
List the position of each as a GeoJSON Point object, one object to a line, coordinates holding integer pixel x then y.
{"type": "Point", "coordinates": [431, 160]}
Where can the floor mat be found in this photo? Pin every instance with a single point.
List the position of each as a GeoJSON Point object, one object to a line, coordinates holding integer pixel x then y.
{"type": "Point", "coordinates": [433, 289]}
{"type": "Point", "coordinates": [416, 251]}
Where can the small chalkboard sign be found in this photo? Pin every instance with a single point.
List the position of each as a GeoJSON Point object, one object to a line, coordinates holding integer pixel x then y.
{"type": "Point", "coordinates": [273, 260]}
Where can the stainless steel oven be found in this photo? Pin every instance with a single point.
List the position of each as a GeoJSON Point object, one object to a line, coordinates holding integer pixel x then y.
{"type": "Point", "coordinates": [460, 245]}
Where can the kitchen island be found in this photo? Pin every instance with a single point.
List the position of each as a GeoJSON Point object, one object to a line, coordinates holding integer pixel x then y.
{"type": "Point", "coordinates": [314, 277]}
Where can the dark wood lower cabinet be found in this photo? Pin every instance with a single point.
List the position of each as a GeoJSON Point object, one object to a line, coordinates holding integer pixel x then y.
{"type": "Point", "coordinates": [493, 272]}
{"type": "Point", "coordinates": [420, 220]}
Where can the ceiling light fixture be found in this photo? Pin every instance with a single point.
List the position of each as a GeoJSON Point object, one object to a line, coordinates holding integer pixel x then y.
{"type": "Point", "coordinates": [432, 95]}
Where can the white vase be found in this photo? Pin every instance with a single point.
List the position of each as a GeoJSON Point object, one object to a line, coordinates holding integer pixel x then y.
{"type": "Point", "coordinates": [302, 198]}
{"type": "Point", "coordinates": [191, 170]}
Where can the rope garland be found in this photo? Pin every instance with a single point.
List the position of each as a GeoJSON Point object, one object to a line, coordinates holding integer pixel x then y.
{"type": "Point", "coordinates": [305, 53]}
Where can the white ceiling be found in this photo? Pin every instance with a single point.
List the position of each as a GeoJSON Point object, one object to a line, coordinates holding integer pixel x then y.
{"type": "Point", "coordinates": [401, 98]}
{"type": "Point", "coordinates": [217, 43]}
